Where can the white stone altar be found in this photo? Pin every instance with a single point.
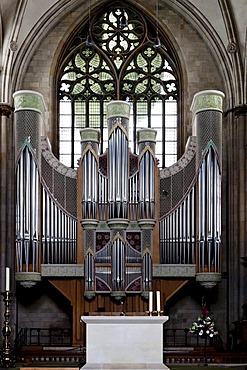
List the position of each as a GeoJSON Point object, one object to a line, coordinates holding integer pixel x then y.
{"type": "Point", "coordinates": [124, 342]}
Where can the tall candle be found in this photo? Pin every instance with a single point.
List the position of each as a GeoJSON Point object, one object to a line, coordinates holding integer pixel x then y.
{"type": "Point", "coordinates": [150, 307]}
{"type": "Point", "coordinates": [7, 281]}
{"type": "Point", "coordinates": [158, 300]}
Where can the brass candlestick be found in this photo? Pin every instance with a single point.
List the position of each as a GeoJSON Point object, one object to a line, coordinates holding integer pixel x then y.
{"type": "Point", "coordinates": [7, 357]}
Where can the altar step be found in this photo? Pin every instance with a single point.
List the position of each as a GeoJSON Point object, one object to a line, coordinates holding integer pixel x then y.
{"type": "Point", "coordinates": [66, 356]}
{"type": "Point", "coordinates": [76, 357]}
{"type": "Point", "coordinates": [197, 356]}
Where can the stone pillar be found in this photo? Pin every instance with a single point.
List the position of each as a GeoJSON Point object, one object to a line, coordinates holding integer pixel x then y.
{"type": "Point", "coordinates": [6, 203]}
{"type": "Point", "coordinates": [236, 210]}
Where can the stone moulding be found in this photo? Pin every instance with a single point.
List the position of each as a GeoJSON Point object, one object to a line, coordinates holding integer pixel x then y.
{"type": "Point", "coordinates": [5, 109]}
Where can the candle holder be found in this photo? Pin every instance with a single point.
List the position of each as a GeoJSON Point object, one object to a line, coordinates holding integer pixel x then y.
{"type": "Point", "coordinates": [7, 357]}
{"type": "Point", "coordinates": [155, 313]}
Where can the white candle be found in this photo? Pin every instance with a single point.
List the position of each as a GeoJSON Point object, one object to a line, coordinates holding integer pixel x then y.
{"type": "Point", "coordinates": [158, 300]}
{"type": "Point", "coordinates": [7, 281]}
{"type": "Point", "coordinates": [150, 302]}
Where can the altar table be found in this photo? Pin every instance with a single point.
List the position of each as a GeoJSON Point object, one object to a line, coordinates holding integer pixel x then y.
{"type": "Point", "coordinates": [124, 342]}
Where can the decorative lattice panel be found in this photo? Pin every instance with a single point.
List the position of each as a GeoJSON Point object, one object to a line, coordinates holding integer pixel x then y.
{"type": "Point", "coordinates": [59, 179]}
{"type": "Point", "coordinates": [27, 126]}
{"type": "Point", "coordinates": [209, 128]}
{"type": "Point", "coordinates": [178, 179]}
{"type": "Point", "coordinates": [146, 238]}
{"type": "Point", "coordinates": [89, 235]}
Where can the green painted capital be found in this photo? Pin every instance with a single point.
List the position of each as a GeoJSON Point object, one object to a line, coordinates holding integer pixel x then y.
{"type": "Point", "coordinates": [207, 100]}
{"type": "Point", "coordinates": [118, 108]}
{"type": "Point", "coordinates": [29, 100]}
{"type": "Point", "coordinates": [147, 224]}
{"type": "Point", "coordinates": [90, 134]}
{"type": "Point", "coordinates": [146, 134]}
{"type": "Point", "coordinates": [28, 279]}
{"type": "Point", "coordinates": [118, 223]}
{"type": "Point", "coordinates": [208, 279]}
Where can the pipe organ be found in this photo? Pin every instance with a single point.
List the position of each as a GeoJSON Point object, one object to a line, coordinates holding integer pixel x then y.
{"type": "Point", "coordinates": [118, 215]}
{"type": "Point", "coordinates": [124, 186]}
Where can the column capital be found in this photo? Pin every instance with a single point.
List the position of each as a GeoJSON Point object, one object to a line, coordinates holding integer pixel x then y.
{"type": "Point", "coordinates": [6, 109]}
{"type": "Point", "coordinates": [238, 110]}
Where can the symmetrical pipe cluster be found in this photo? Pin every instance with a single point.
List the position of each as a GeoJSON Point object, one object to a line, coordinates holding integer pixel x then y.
{"type": "Point", "coordinates": [118, 198]}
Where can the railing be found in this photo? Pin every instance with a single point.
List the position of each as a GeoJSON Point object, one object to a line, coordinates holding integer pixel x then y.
{"type": "Point", "coordinates": [62, 337]}
{"type": "Point", "coordinates": [44, 337]}
{"type": "Point", "coordinates": [182, 338]}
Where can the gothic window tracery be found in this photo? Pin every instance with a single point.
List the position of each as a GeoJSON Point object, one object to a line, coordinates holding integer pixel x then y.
{"type": "Point", "coordinates": [122, 64]}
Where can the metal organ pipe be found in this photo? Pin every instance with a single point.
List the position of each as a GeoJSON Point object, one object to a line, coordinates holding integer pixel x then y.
{"type": "Point", "coordinates": [209, 184]}
{"type": "Point", "coordinates": [177, 233]}
{"type": "Point", "coordinates": [90, 181]}
{"type": "Point", "coordinates": [147, 271]}
{"type": "Point", "coordinates": [118, 173]}
{"type": "Point", "coordinates": [90, 186]}
{"type": "Point", "coordinates": [118, 264]}
{"type": "Point", "coordinates": [146, 141]}
{"type": "Point", "coordinates": [89, 272]}
{"type": "Point", "coordinates": [59, 233]}
{"type": "Point", "coordinates": [27, 215]}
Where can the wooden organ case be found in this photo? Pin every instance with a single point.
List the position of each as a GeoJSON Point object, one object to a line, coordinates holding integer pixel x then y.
{"type": "Point", "coordinates": [118, 227]}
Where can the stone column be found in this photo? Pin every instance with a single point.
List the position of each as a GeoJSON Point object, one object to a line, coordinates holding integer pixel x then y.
{"type": "Point", "coordinates": [236, 211]}
{"type": "Point", "coordinates": [6, 202]}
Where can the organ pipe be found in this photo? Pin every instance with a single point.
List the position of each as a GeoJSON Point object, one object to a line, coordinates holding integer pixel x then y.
{"type": "Point", "coordinates": [59, 233]}
{"type": "Point", "coordinates": [177, 233]}
{"type": "Point", "coordinates": [118, 264]}
{"type": "Point", "coordinates": [147, 270]}
{"type": "Point", "coordinates": [118, 173]}
{"type": "Point", "coordinates": [146, 141]}
{"type": "Point", "coordinates": [90, 184]}
{"type": "Point", "coordinates": [89, 271]}
{"type": "Point", "coordinates": [209, 243]}
{"type": "Point", "coordinates": [27, 216]}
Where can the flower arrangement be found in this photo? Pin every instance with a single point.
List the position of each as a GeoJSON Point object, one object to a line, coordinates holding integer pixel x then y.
{"type": "Point", "coordinates": [204, 325]}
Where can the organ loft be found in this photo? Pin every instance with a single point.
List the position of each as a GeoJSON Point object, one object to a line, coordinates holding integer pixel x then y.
{"type": "Point", "coordinates": [106, 234]}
